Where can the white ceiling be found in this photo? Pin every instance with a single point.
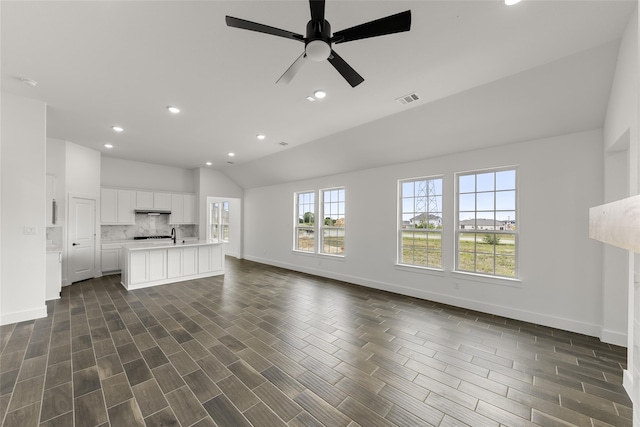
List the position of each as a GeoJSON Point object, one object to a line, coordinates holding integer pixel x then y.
{"type": "Point", "coordinates": [486, 73]}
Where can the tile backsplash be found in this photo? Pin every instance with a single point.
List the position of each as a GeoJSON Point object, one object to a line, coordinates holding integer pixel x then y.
{"type": "Point", "coordinates": [147, 225]}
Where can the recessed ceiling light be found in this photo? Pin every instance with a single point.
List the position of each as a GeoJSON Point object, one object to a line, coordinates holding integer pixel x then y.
{"type": "Point", "coordinates": [231, 154]}
{"type": "Point", "coordinates": [174, 110]}
{"type": "Point", "coordinates": [108, 146]}
{"type": "Point", "coordinates": [319, 94]}
{"type": "Point", "coordinates": [29, 82]}
{"type": "Point", "coordinates": [117, 128]}
{"type": "Point", "coordinates": [511, 2]}
{"type": "Point", "coordinates": [208, 163]}
{"type": "Point", "coordinates": [260, 136]}
{"type": "Point", "coordinates": [310, 98]}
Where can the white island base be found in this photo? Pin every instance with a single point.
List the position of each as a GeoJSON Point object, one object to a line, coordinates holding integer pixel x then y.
{"type": "Point", "coordinates": [159, 263]}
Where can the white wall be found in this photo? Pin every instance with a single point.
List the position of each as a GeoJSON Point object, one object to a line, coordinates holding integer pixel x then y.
{"type": "Point", "coordinates": [211, 183]}
{"type": "Point", "coordinates": [621, 134]}
{"type": "Point", "coordinates": [23, 162]}
{"type": "Point", "coordinates": [559, 266]}
{"type": "Point", "coordinates": [82, 178]}
{"type": "Point", "coordinates": [128, 173]}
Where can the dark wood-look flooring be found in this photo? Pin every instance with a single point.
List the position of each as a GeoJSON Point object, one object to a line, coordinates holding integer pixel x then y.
{"type": "Point", "coordinates": [267, 347]}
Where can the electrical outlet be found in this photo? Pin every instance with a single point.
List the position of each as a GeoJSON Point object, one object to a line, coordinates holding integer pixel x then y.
{"type": "Point", "coordinates": [29, 230]}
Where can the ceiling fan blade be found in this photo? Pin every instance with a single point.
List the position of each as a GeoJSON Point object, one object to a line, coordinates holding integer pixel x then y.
{"type": "Point", "coordinates": [349, 74]}
{"type": "Point", "coordinates": [388, 25]}
{"type": "Point", "coordinates": [261, 28]}
{"type": "Point", "coordinates": [317, 10]}
{"type": "Point", "coordinates": [292, 70]}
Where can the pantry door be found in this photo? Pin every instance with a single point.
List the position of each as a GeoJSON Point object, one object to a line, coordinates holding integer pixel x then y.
{"type": "Point", "coordinates": [81, 248]}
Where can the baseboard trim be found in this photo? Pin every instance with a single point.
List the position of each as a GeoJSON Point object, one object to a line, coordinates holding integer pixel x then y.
{"type": "Point", "coordinates": [627, 383]}
{"type": "Point", "coordinates": [24, 315]}
{"type": "Point", "coordinates": [613, 337]}
{"type": "Point", "coordinates": [557, 322]}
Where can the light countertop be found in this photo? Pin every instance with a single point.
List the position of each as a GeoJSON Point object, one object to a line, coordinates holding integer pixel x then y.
{"type": "Point", "coordinates": [138, 246]}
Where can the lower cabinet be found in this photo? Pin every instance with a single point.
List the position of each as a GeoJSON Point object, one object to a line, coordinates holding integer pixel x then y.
{"type": "Point", "coordinates": [148, 266]}
{"type": "Point", "coordinates": [210, 258]}
{"type": "Point", "coordinates": [110, 260]}
{"type": "Point", "coordinates": [53, 275]}
{"type": "Point", "coordinates": [182, 262]}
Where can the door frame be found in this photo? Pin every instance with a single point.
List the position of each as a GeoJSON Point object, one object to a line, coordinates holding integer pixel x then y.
{"type": "Point", "coordinates": [96, 242]}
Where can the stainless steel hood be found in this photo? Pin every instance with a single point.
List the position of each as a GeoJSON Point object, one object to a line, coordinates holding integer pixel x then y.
{"type": "Point", "coordinates": [152, 211]}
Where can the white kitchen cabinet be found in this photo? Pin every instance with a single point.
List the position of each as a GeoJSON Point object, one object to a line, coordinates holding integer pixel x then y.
{"type": "Point", "coordinates": [126, 207]}
{"type": "Point", "coordinates": [110, 260]}
{"type": "Point", "coordinates": [144, 199]}
{"type": "Point", "coordinates": [182, 262]}
{"type": "Point", "coordinates": [148, 266]}
{"type": "Point", "coordinates": [117, 207]}
{"type": "Point", "coordinates": [108, 206]}
{"type": "Point", "coordinates": [151, 200]}
{"type": "Point", "coordinates": [162, 201]}
{"type": "Point", "coordinates": [189, 209]}
{"type": "Point", "coordinates": [160, 263]}
{"type": "Point", "coordinates": [183, 209]}
{"type": "Point", "coordinates": [53, 275]}
{"type": "Point", "coordinates": [210, 258]}
{"type": "Point", "coordinates": [177, 209]}
{"type": "Point", "coordinates": [52, 206]}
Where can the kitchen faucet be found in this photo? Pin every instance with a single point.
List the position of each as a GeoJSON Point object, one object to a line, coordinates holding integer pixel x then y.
{"type": "Point", "coordinates": [174, 235]}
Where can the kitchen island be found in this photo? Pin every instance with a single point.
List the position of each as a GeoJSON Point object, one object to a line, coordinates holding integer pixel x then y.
{"type": "Point", "coordinates": [158, 263]}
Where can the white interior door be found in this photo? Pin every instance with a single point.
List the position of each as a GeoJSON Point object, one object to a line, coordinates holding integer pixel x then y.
{"type": "Point", "coordinates": [82, 239]}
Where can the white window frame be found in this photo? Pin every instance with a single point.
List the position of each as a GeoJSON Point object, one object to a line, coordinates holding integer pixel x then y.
{"type": "Point", "coordinates": [427, 211]}
{"type": "Point", "coordinates": [333, 212]}
{"type": "Point", "coordinates": [218, 225]}
{"type": "Point", "coordinates": [512, 230]}
{"type": "Point", "coordinates": [296, 221]}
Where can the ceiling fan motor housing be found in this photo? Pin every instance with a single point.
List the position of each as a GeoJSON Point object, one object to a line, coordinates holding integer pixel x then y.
{"type": "Point", "coordinates": [317, 42]}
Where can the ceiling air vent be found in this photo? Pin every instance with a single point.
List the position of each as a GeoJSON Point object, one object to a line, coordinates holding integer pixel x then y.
{"type": "Point", "coordinates": [408, 99]}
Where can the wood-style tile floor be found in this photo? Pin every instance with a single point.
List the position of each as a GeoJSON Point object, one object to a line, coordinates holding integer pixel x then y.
{"type": "Point", "coordinates": [267, 347]}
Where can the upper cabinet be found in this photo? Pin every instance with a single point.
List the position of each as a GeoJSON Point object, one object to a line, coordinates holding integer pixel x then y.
{"type": "Point", "coordinates": [162, 201]}
{"type": "Point", "coordinates": [182, 209]}
{"type": "Point", "coordinates": [151, 200]}
{"type": "Point", "coordinates": [117, 207]}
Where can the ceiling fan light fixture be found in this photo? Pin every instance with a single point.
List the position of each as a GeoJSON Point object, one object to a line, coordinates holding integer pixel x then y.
{"type": "Point", "coordinates": [317, 50]}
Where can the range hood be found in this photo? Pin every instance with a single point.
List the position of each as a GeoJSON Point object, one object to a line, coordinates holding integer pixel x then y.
{"type": "Point", "coordinates": [152, 211]}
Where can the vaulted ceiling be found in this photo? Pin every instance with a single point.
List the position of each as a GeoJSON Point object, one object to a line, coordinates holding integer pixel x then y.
{"type": "Point", "coordinates": [486, 74]}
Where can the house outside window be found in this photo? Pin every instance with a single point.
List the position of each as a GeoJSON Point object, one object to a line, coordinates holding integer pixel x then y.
{"type": "Point", "coordinates": [305, 218]}
{"type": "Point", "coordinates": [332, 225]}
{"type": "Point", "coordinates": [486, 233]}
{"type": "Point", "coordinates": [420, 228]}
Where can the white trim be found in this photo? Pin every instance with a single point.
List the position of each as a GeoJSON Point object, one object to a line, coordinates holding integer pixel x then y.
{"type": "Point", "coordinates": [558, 322]}
{"type": "Point", "coordinates": [21, 316]}
{"type": "Point", "coordinates": [627, 383]}
{"type": "Point", "coordinates": [613, 337]}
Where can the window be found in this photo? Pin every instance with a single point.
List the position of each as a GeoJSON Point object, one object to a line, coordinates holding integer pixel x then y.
{"type": "Point", "coordinates": [420, 229]}
{"type": "Point", "coordinates": [332, 225]}
{"type": "Point", "coordinates": [305, 218]}
{"type": "Point", "coordinates": [214, 223]}
{"type": "Point", "coordinates": [487, 227]}
{"type": "Point", "coordinates": [224, 221]}
{"type": "Point", "coordinates": [219, 221]}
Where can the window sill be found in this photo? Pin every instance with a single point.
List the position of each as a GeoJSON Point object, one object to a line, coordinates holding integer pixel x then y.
{"type": "Point", "coordinates": [420, 269]}
{"type": "Point", "coordinates": [334, 256]}
{"type": "Point", "coordinates": [492, 280]}
{"type": "Point", "coordinates": [299, 252]}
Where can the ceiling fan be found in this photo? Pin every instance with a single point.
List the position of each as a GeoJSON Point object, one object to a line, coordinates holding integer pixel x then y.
{"type": "Point", "coordinates": [318, 40]}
